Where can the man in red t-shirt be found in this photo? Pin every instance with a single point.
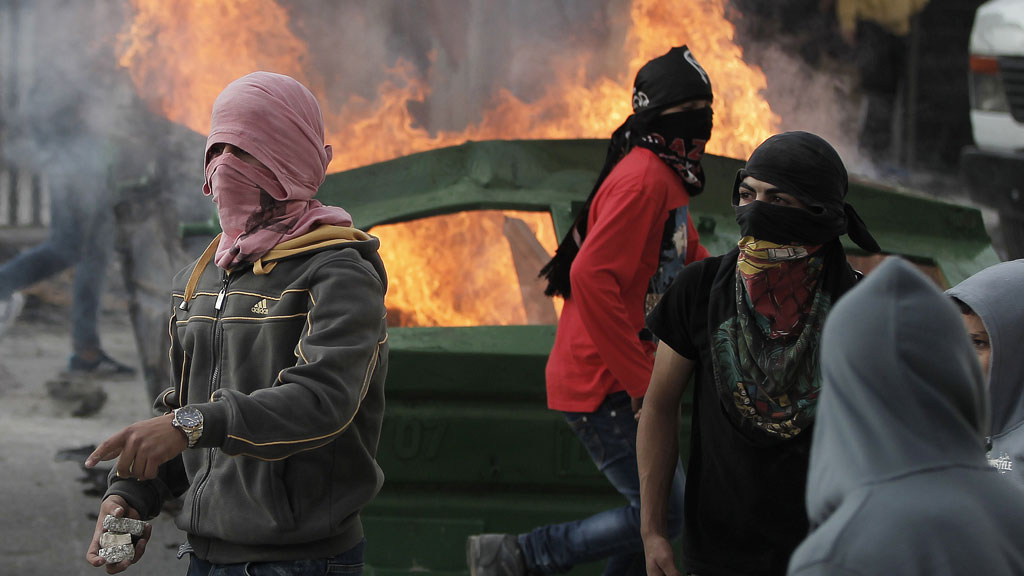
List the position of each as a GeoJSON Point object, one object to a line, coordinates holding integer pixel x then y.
{"type": "Point", "coordinates": [631, 238]}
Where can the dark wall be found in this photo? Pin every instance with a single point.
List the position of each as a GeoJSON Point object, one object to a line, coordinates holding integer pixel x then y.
{"type": "Point", "coordinates": [933, 123]}
{"type": "Point", "coordinates": [941, 107]}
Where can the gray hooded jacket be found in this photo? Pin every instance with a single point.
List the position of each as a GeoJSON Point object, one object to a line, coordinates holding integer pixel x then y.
{"type": "Point", "coordinates": [898, 481]}
{"type": "Point", "coordinates": [994, 295]}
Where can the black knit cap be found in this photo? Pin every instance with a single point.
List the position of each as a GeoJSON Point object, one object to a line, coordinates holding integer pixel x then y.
{"type": "Point", "coordinates": [670, 79]}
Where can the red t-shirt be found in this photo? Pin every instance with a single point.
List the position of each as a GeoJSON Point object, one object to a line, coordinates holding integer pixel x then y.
{"type": "Point", "coordinates": [597, 348]}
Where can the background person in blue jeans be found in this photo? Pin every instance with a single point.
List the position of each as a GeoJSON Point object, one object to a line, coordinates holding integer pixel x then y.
{"type": "Point", "coordinates": [609, 435]}
{"type": "Point", "coordinates": [633, 234]}
{"type": "Point", "coordinates": [78, 161]}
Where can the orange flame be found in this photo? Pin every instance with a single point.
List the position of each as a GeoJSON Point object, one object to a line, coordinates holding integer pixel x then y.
{"type": "Point", "coordinates": [444, 282]}
{"type": "Point", "coordinates": [181, 53]}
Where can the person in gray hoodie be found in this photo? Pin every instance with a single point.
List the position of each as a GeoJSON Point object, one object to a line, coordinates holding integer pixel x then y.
{"type": "Point", "coordinates": [898, 481]}
{"type": "Point", "coordinates": [993, 311]}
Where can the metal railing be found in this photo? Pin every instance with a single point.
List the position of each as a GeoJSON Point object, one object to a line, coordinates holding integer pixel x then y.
{"type": "Point", "coordinates": [24, 198]}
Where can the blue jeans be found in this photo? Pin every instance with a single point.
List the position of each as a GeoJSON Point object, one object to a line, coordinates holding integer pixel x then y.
{"type": "Point", "coordinates": [609, 435]}
{"type": "Point", "coordinates": [349, 563]}
{"type": "Point", "coordinates": [81, 236]}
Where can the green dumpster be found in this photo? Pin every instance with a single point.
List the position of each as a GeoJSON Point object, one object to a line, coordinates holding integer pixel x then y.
{"type": "Point", "coordinates": [468, 444]}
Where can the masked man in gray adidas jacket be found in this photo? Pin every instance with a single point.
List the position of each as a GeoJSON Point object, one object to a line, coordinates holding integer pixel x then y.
{"type": "Point", "coordinates": [279, 354]}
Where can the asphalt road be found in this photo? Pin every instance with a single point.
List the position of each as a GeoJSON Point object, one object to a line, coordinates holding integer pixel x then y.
{"type": "Point", "coordinates": [48, 506]}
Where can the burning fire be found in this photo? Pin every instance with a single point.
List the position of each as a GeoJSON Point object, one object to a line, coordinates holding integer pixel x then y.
{"type": "Point", "coordinates": [443, 282]}
{"type": "Point", "coordinates": [181, 53]}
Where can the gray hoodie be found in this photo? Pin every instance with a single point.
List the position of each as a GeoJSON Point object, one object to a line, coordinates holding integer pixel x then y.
{"type": "Point", "coordinates": [995, 296]}
{"type": "Point", "coordinates": [288, 369]}
{"type": "Point", "coordinates": [898, 481]}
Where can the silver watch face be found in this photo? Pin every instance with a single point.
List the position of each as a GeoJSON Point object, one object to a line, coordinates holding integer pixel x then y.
{"type": "Point", "coordinates": [188, 417]}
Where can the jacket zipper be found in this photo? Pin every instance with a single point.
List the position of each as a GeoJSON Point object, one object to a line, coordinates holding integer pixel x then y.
{"type": "Point", "coordinates": [218, 332]}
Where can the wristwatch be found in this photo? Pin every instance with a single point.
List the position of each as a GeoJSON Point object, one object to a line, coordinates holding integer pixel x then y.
{"type": "Point", "coordinates": [189, 420]}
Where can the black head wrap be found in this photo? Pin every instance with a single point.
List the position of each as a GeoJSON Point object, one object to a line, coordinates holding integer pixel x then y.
{"type": "Point", "coordinates": [808, 168]}
{"type": "Point", "coordinates": [678, 139]}
{"type": "Point", "coordinates": [768, 383]}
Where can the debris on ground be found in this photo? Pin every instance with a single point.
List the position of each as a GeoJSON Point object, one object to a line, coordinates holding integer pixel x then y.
{"type": "Point", "coordinates": [80, 396]}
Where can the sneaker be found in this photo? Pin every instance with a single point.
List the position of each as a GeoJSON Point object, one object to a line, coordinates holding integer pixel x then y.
{"type": "Point", "coordinates": [9, 311]}
{"type": "Point", "coordinates": [494, 555]}
{"type": "Point", "coordinates": [103, 366]}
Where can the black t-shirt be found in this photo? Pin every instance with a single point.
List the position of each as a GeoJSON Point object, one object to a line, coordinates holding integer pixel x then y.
{"type": "Point", "coordinates": [744, 511]}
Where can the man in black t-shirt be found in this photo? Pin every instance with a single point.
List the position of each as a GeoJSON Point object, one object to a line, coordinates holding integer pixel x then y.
{"type": "Point", "coordinates": [747, 325]}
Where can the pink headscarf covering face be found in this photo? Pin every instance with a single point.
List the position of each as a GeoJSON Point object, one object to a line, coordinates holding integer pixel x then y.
{"type": "Point", "coordinates": [278, 121]}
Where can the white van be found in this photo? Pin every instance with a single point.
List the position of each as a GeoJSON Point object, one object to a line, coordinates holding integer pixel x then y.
{"type": "Point", "coordinates": [993, 168]}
